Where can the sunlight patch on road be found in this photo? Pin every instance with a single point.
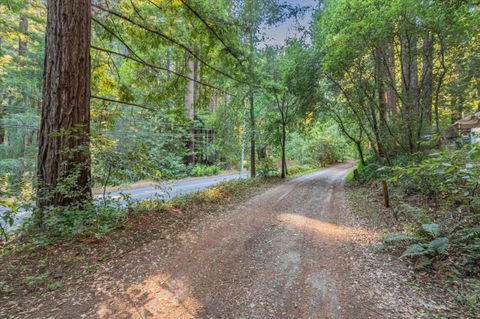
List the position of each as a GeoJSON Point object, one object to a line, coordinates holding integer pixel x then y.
{"type": "Point", "coordinates": [157, 297]}
{"type": "Point", "coordinates": [311, 225]}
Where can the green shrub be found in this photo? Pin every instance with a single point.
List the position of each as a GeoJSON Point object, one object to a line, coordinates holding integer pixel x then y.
{"type": "Point", "coordinates": [83, 220]}
{"type": "Point", "coordinates": [369, 172]}
{"type": "Point", "coordinates": [450, 178]}
{"type": "Point", "coordinates": [449, 174]}
{"type": "Point", "coordinates": [205, 170]}
{"type": "Point", "coordinates": [300, 169]}
{"type": "Point", "coordinates": [7, 217]}
{"type": "Point", "coordinates": [54, 285]}
{"type": "Point", "coordinates": [36, 280]}
{"type": "Point", "coordinates": [426, 245]}
{"type": "Point", "coordinates": [266, 167]}
{"type": "Point", "coordinates": [4, 288]}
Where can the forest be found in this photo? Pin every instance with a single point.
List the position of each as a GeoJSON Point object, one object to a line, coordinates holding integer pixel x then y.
{"type": "Point", "coordinates": [354, 124]}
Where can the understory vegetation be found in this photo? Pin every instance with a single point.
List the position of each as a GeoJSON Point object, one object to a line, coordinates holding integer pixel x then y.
{"type": "Point", "coordinates": [99, 220]}
{"type": "Point", "coordinates": [442, 205]}
{"type": "Point", "coordinates": [434, 214]}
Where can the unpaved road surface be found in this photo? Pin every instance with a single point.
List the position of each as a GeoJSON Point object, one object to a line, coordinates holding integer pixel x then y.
{"type": "Point", "coordinates": [282, 254]}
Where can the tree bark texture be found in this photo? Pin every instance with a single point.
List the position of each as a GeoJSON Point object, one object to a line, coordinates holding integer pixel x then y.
{"type": "Point", "coordinates": [189, 95]}
{"type": "Point", "coordinates": [64, 153]}
{"type": "Point", "coordinates": [427, 78]}
{"type": "Point", "coordinates": [409, 67]}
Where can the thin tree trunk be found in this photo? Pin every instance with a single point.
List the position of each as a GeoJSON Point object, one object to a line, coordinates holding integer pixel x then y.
{"type": "Point", "coordinates": [22, 43]}
{"type": "Point", "coordinates": [189, 106]}
{"type": "Point", "coordinates": [211, 105]}
{"type": "Point", "coordinates": [244, 127]}
{"type": "Point", "coordinates": [391, 94]}
{"type": "Point", "coordinates": [380, 77]}
{"type": "Point", "coordinates": [478, 97]}
{"type": "Point", "coordinates": [22, 53]}
{"type": "Point", "coordinates": [253, 173]}
{"type": "Point", "coordinates": [190, 93]}
{"type": "Point", "coordinates": [409, 68]}
{"type": "Point", "coordinates": [197, 87]}
{"type": "Point", "coordinates": [380, 71]}
{"type": "Point", "coordinates": [64, 138]}
{"type": "Point", "coordinates": [427, 78]}
{"type": "Point", "coordinates": [440, 79]}
{"type": "Point", "coordinates": [284, 161]}
{"type": "Point", "coordinates": [360, 152]}
{"type": "Point", "coordinates": [251, 32]}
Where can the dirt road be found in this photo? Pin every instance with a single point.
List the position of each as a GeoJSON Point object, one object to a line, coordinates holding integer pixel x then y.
{"type": "Point", "coordinates": [286, 253]}
{"type": "Point", "coordinates": [281, 255]}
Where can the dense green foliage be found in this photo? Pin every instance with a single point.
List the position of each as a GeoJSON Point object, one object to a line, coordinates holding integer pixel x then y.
{"type": "Point", "coordinates": [443, 189]}
{"type": "Point", "coordinates": [397, 72]}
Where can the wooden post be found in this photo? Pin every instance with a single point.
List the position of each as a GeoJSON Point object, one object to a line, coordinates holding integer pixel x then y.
{"type": "Point", "coordinates": [386, 197]}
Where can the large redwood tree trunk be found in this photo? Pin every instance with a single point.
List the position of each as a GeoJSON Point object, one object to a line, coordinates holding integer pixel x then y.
{"type": "Point", "coordinates": [64, 154]}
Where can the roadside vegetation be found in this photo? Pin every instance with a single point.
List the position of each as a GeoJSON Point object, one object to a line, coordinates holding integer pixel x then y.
{"type": "Point", "coordinates": [433, 217]}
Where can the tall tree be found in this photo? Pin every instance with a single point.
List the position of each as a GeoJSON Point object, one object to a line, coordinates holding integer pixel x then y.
{"type": "Point", "coordinates": [255, 14]}
{"type": "Point", "coordinates": [64, 154]}
{"type": "Point", "coordinates": [22, 43]}
{"type": "Point", "coordinates": [190, 105]}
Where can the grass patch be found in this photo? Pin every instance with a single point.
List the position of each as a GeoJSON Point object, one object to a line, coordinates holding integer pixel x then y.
{"type": "Point", "coordinates": [298, 170]}
{"type": "Point", "coordinates": [4, 288]}
{"type": "Point", "coordinates": [33, 281]}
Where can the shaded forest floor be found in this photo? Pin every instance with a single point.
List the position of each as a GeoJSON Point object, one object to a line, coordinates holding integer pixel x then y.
{"type": "Point", "coordinates": [257, 249]}
{"type": "Point", "coordinates": [454, 293]}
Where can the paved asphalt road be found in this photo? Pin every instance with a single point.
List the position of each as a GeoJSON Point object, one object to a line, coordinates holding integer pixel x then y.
{"type": "Point", "coordinates": [168, 191]}
{"type": "Point", "coordinates": [164, 191]}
